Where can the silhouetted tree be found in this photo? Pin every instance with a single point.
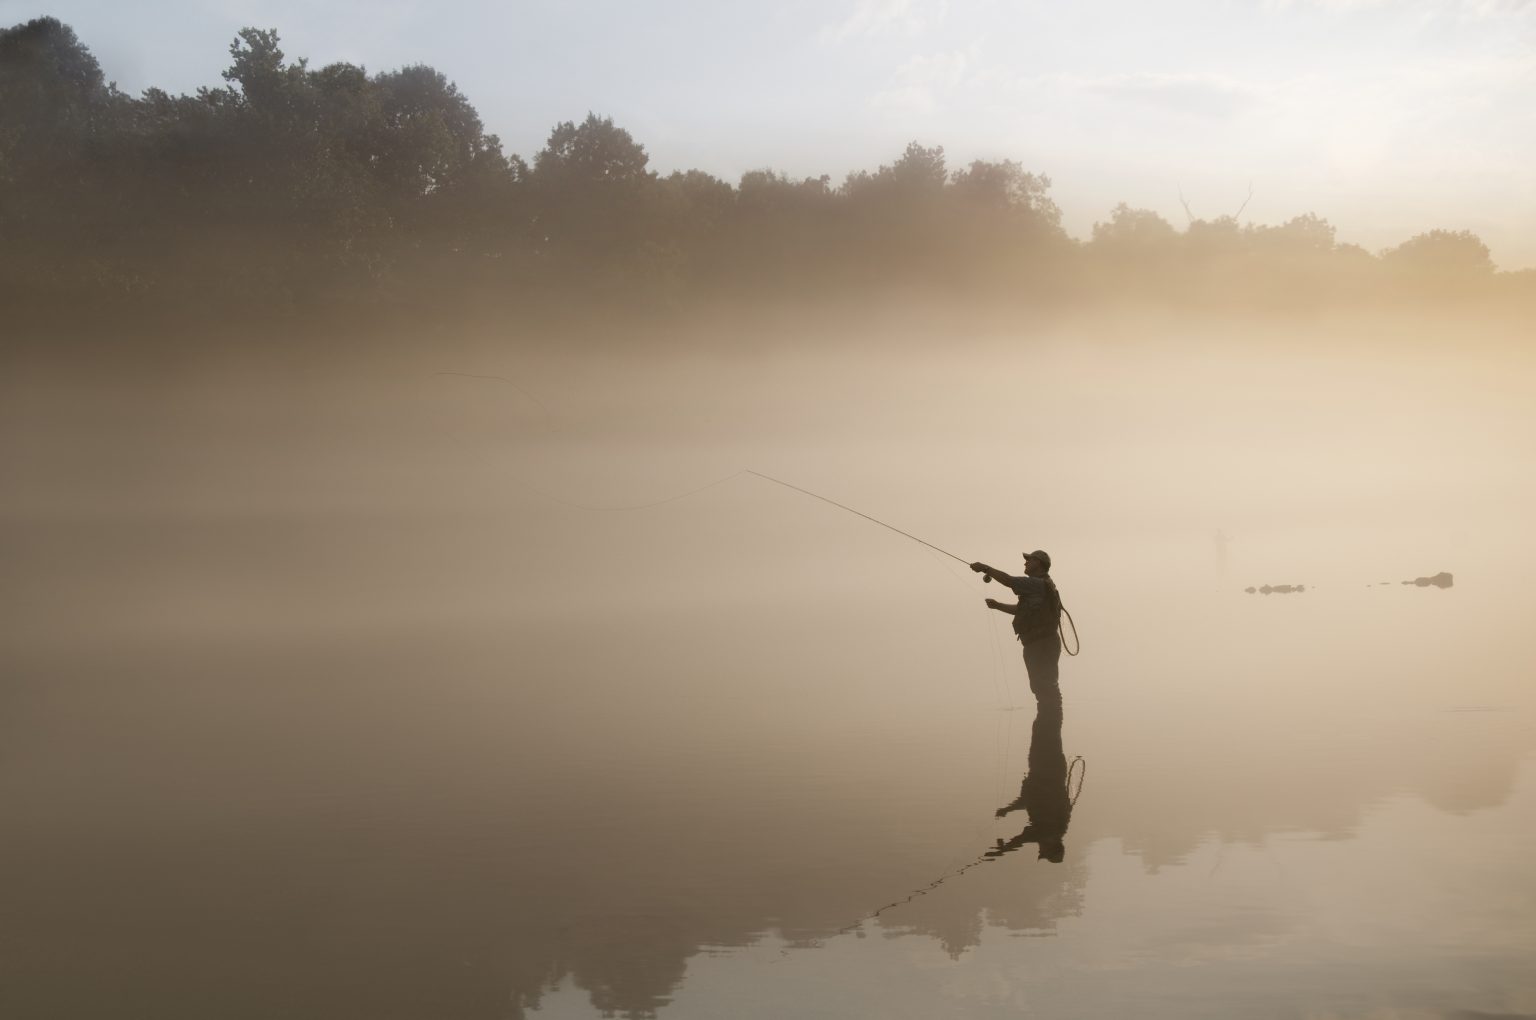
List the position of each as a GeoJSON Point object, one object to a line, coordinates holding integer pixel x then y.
{"type": "Point", "coordinates": [919, 171]}
{"type": "Point", "coordinates": [1007, 188]}
{"type": "Point", "coordinates": [1306, 235]}
{"type": "Point", "coordinates": [427, 135]}
{"type": "Point", "coordinates": [767, 193]}
{"type": "Point", "coordinates": [785, 232]}
{"type": "Point", "coordinates": [268, 86]}
{"type": "Point", "coordinates": [1135, 251]}
{"type": "Point", "coordinates": [1219, 239]}
{"type": "Point", "coordinates": [691, 212]}
{"type": "Point", "coordinates": [895, 216]}
{"type": "Point", "coordinates": [54, 107]}
{"type": "Point", "coordinates": [446, 186]}
{"type": "Point", "coordinates": [1448, 255]}
{"type": "Point", "coordinates": [52, 95]}
{"type": "Point", "coordinates": [915, 179]}
{"type": "Point", "coordinates": [594, 153]}
{"type": "Point", "coordinates": [1134, 233]}
{"type": "Point", "coordinates": [286, 181]}
{"type": "Point", "coordinates": [587, 181]}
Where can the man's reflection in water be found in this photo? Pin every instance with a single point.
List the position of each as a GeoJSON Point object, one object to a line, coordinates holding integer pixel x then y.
{"type": "Point", "coordinates": [1044, 794]}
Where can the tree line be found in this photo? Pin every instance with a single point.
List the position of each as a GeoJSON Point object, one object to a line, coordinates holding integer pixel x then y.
{"type": "Point", "coordinates": [290, 182]}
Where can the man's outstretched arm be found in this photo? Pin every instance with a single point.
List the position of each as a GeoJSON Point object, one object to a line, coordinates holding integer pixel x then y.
{"type": "Point", "coordinates": [1027, 836]}
{"type": "Point", "coordinates": [994, 574]}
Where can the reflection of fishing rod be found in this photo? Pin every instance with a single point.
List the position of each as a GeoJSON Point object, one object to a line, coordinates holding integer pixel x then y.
{"type": "Point", "coordinates": [1078, 768]}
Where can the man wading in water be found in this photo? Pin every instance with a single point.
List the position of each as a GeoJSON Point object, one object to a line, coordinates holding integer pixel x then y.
{"type": "Point", "coordinates": [1036, 622]}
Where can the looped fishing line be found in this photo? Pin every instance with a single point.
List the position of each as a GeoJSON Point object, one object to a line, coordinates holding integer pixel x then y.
{"type": "Point", "coordinates": [1063, 634]}
{"type": "Point", "coordinates": [1082, 773]}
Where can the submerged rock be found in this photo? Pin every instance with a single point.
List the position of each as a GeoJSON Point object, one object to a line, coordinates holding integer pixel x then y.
{"type": "Point", "coordinates": [1440, 580]}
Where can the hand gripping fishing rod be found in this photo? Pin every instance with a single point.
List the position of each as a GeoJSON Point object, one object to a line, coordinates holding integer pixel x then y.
{"type": "Point", "coordinates": [891, 527]}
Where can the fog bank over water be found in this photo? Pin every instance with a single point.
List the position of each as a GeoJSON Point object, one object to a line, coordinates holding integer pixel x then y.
{"type": "Point", "coordinates": [338, 683]}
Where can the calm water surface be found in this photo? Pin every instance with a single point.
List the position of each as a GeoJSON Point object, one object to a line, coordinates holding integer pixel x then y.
{"type": "Point", "coordinates": [313, 708]}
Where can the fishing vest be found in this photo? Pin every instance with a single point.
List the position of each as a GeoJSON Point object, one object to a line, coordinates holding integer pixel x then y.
{"type": "Point", "coordinates": [1039, 613]}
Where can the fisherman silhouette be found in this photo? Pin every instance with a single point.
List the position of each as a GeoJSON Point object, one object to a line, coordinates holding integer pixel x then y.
{"type": "Point", "coordinates": [1036, 622]}
{"type": "Point", "coordinates": [1043, 794]}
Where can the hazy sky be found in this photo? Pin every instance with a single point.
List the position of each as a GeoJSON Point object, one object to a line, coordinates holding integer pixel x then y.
{"type": "Point", "coordinates": [1386, 117]}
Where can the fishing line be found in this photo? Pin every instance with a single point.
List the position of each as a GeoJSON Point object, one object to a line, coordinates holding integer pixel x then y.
{"type": "Point", "coordinates": [1063, 634]}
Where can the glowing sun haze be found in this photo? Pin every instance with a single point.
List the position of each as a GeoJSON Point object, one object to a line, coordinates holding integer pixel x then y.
{"type": "Point", "coordinates": [1386, 117]}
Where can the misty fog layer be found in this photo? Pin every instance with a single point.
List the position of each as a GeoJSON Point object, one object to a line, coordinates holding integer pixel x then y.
{"type": "Point", "coordinates": [471, 674]}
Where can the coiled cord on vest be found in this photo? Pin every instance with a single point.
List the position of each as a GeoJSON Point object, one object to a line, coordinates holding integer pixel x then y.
{"type": "Point", "coordinates": [1061, 633]}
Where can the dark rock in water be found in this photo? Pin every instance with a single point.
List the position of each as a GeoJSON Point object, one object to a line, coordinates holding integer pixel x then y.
{"type": "Point", "coordinates": [1250, 589]}
{"type": "Point", "coordinates": [1277, 589]}
{"type": "Point", "coordinates": [1440, 580]}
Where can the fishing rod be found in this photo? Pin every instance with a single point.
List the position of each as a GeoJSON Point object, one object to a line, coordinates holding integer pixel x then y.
{"type": "Point", "coordinates": [986, 578]}
{"type": "Point", "coordinates": [906, 534]}
{"type": "Point", "coordinates": [840, 506]}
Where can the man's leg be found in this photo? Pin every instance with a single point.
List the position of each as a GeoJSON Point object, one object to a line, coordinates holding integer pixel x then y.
{"type": "Point", "coordinates": [1042, 659]}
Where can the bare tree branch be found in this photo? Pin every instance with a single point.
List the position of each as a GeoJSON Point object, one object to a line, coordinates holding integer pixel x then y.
{"type": "Point", "coordinates": [1245, 202]}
